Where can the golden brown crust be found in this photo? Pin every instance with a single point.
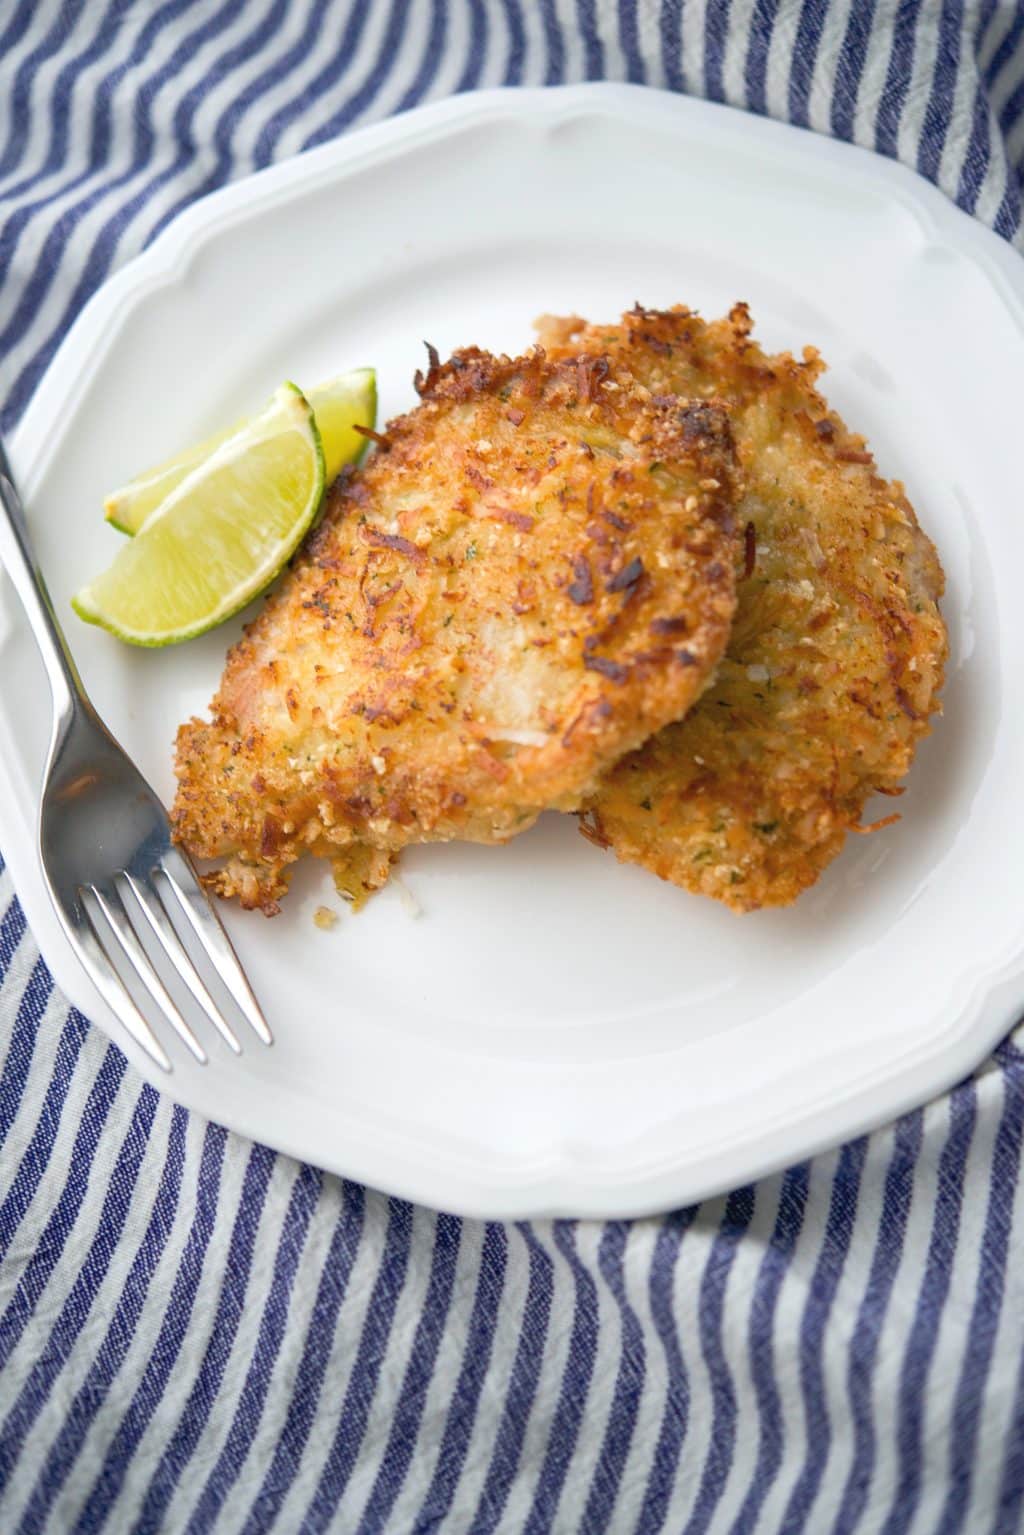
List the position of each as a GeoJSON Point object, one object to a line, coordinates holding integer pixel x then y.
{"type": "Point", "coordinates": [534, 571]}
{"type": "Point", "coordinates": [838, 648]}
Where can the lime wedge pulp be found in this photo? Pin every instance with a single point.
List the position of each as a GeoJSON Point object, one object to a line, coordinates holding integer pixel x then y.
{"type": "Point", "coordinates": [340, 405]}
{"type": "Point", "coordinates": [220, 536]}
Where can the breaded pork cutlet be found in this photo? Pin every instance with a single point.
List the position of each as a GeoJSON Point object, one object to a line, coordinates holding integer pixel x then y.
{"type": "Point", "coordinates": [534, 571]}
{"type": "Point", "coordinates": [836, 657]}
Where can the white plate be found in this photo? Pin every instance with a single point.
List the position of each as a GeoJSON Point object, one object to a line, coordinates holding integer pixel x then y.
{"type": "Point", "coordinates": [557, 1032]}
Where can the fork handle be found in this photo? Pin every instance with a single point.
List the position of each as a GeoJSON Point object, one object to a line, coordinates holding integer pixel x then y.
{"type": "Point", "coordinates": [18, 559]}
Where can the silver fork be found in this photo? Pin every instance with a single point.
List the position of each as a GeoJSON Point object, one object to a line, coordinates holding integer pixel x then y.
{"type": "Point", "coordinates": [105, 847]}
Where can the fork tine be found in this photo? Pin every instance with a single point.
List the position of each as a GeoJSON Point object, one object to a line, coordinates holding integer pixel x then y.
{"type": "Point", "coordinates": [112, 989]}
{"type": "Point", "coordinates": [163, 931]}
{"type": "Point", "coordinates": [205, 923]}
{"type": "Point", "coordinates": [120, 923]}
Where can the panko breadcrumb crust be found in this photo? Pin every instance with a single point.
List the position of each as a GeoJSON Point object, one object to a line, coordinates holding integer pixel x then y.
{"type": "Point", "coordinates": [535, 570]}
{"type": "Point", "coordinates": [836, 658]}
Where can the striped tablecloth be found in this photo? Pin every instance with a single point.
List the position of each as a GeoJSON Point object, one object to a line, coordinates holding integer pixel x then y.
{"type": "Point", "coordinates": [198, 1334]}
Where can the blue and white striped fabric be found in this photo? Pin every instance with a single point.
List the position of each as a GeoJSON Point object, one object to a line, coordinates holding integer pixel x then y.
{"type": "Point", "coordinates": [197, 1334]}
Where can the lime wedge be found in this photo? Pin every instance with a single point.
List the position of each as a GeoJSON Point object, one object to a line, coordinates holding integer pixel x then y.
{"type": "Point", "coordinates": [340, 405]}
{"type": "Point", "coordinates": [221, 536]}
